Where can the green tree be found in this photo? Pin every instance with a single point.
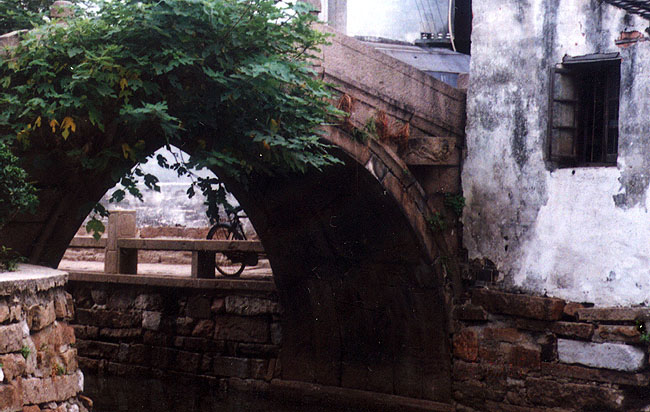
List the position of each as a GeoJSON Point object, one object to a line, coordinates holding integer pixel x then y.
{"type": "Point", "coordinates": [230, 80]}
{"type": "Point", "coordinates": [21, 14]}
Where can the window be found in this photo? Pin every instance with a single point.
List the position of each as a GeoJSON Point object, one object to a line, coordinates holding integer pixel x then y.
{"type": "Point", "coordinates": [583, 110]}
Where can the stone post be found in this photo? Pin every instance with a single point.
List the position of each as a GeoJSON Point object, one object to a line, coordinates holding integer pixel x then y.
{"type": "Point", "coordinates": [337, 15]}
{"type": "Point", "coordinates": [121, 224]}
{"type": "Point", "coordinates": [61, 9]}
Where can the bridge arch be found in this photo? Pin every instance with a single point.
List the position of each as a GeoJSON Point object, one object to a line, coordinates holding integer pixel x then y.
{"type": "Point", "coordinates": [352, 257]}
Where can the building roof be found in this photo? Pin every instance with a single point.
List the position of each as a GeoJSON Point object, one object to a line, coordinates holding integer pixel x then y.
{"type": "Point", "coordinates": [640, 7]}
{"type": "Point", "coordinates": [428, 60]}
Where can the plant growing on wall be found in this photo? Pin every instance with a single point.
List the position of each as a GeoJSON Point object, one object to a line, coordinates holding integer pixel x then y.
{"type": "Point", "coordinates": [227, 80]}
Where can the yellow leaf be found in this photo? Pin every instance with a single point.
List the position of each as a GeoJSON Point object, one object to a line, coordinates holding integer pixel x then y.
{"type": "Point", "coordinates": [24, 134]}
{"type": "Point", "coordinates": [274, 125]}
{"type": "Point", "coordinates": [266, 145]}
{"type": "Point", "coordinates": [68, 123]}
{"type": "Point", "coordinates": [53, 125]}
{"type": "Point", "coordinates": [126, 149]}
{"type": "Point", "coordinates": [65, 133]}
{"type": "Point", "coordinates": [37, 123]}
{"type": "Point", "coordinates": [123, 83]}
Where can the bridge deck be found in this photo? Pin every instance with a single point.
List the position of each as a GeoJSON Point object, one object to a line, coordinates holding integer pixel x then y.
{"type": "Point", "coordinates": [259, 272]}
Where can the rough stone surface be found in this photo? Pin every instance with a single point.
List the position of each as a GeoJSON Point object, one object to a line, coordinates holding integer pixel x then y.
{"type": "Point", "coordinates": [40, 316]}
{"type": "Point", "coordinates": [30, 278]}
{"type": "Point", "coordinates": [241, 305]}
{"type": "Point", "coordinates": [534, 307]}
{"type": "Point", "coordinates": [601, 355]}
{"type": "Point", "coordinates": [58, 388]}
{"type": "Point", "coordinates": [11, 337]}
{"type": "Point", "coordinates": [151, 320]}
{"type": "Point", "coordinates": [465, 345]}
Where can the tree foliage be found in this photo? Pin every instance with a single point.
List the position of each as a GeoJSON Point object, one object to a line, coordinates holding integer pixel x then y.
{"type": "Point", "coordinates": [21, 14]}
{"type": "Point", "coordinates": [227, 80]}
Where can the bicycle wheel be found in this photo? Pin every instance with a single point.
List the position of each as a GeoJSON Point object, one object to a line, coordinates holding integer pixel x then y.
{"type": "Point", "coordinates": [229, 264]}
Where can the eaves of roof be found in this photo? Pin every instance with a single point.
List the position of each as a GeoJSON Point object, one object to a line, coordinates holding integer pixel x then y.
{"type": "Point", "coordinates": [640, 7]}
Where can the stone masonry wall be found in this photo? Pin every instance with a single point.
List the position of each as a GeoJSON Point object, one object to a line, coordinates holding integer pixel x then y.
{"type": "Point", "coordinates": [516, 353]}
{"type": "Point", "coordinates": [38, 357]}
{"type": "Point", "coordinates": [174, 329]}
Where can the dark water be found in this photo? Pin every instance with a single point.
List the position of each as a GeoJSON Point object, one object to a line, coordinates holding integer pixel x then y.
{"type": "Point", "coordinates": [113, 394]}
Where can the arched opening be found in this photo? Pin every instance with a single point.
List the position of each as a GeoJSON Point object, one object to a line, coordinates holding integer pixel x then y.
{"type": "Point", "coordinates": [353, 264]}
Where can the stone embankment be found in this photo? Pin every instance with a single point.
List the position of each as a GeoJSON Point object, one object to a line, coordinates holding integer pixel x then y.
{"type": "Point", "coordinates": [517, 353]}
{"type": "Point", "coordinates": [216, 330]}
{"type": "Point", "coordinates": [38, 357]}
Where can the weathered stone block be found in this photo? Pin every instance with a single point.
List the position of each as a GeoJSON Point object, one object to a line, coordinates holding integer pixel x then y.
{"type": "Point", "coordinates": [120, 334]}
{"type": "Point", "coordinates": [11, 398]}
{"type": "Point", "coordinates": [601, 355]}
{"type": "Point", "coordinates": [247, 306]}
{"type": "Point", "coordinates": [151, 320]}
{"type": "Point", "coordinates": [55, 389]}
{"type": "Point", "coordinates": [151, 302]}
{"type": "Point", "coordinates": [184, 326]}
{"type": "Point", "coordinates": [11, 337]}
{"type": "Point", "coordinates": [85, 332]}
{"type": "Point", "coordinates": [597, 375]}
{"type": "Point", "coordinates": [63, 305]}
{"type": "Point", "coordinates": [204, 328]}
{"type": "Point", "coordinates": [575, 397]}
{"type": "Point", "coordinates": [617, 333]}
{"type": "Point", "coordinates": [241, 329]}
{"type": "Point", "coordinates": [108, 318]}
{"type": "Point", "coordinates": [31, 408]}
{"type": "Point", "coordinates": [69, 360]}
{"type": "Point", "coordinates": [40, 316]}
{"type": "Point", "coordinates": [466, 345]}
{"type": "Point", "coordinates": [276, 333]}
{"type": "Point", "coordinates": [198, 307]}
{"type": "Point", "coordinates": [218, 305]}
{"type": "Point", "coordinates": [13, 365]}
{"type": "Point", "coordinates": [187, 362]}
{"type": "Point", "coordinates": [4, 311]}
{"type": "Point", "coordinates": [612, 314]}
{"type": "Point", "coordinates": [231, 367]}
{"type": "Point", "coordinates": [534, 307]}
{"type": "Point", "coordinates": [566, 329]}
{"type": "Point", "coordinates": [511, 335]}
{"type": "Point", "coordinates": [93, 349]}
{"type": "Point", "coordinates": [470, 312]}
{"type": "Point", "coordinates": [55, 335]}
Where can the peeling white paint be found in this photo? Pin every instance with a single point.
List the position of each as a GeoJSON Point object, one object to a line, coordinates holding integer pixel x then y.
{"type": "Point", "coordinates": [557, 232]}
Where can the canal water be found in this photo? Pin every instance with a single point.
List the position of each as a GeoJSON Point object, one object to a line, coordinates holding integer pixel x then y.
{"type": "Point", "coordinates": [115, 394]}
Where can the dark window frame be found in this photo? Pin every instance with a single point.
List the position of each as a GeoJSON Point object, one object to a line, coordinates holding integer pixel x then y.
{"type": "Point", "coordinates": [584, 94]}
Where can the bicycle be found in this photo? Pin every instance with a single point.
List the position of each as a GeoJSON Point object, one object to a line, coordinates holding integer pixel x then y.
{"type": "Point", "coordinates": [232, 264]}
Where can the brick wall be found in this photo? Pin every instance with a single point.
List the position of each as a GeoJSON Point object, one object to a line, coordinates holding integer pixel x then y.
{"type": "Point", "coordinates": [517, 353]}
{"type": "Point", "coordinates": [177, 327]}
{"type": "Point", "coordinates": [38, 357]}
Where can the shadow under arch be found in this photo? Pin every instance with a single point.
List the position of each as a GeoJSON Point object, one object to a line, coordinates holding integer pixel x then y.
{"type": "Point", "coordinates": [352, 259]}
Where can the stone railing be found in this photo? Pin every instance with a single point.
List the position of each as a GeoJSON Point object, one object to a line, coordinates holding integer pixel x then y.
{"type": "Point", "coordinates": [518, 353]}
{"type": "Point", "coordinates": [121, 247]}
{"type": "Point", "coordinates": [38, 356]}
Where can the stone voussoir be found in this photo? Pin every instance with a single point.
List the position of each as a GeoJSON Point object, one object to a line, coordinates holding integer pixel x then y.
{"type": "Point", "coordinates": [534, 307]}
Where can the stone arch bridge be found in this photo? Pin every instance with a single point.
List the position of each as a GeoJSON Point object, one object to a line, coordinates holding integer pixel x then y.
{"type": "Point", "coordinates": [356, 264]}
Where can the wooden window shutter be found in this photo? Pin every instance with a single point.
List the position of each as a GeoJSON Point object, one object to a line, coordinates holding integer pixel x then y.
{"type": "Point", "coordinates": [563, 116]}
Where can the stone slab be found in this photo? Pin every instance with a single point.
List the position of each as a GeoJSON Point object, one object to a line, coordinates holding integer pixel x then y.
{"type": "Point", "coordinates": [56, 389]}
{"type": "Point", "coordinates": [534, 307]}
{"type": "Point", "coordinates": [31, 278]}
{"type": "Point", "coordinates": [613, 356]}
{"type": "Point", "coordinates": [612, 314]}
{"type": "Point", "coordinates": [176, 282]}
